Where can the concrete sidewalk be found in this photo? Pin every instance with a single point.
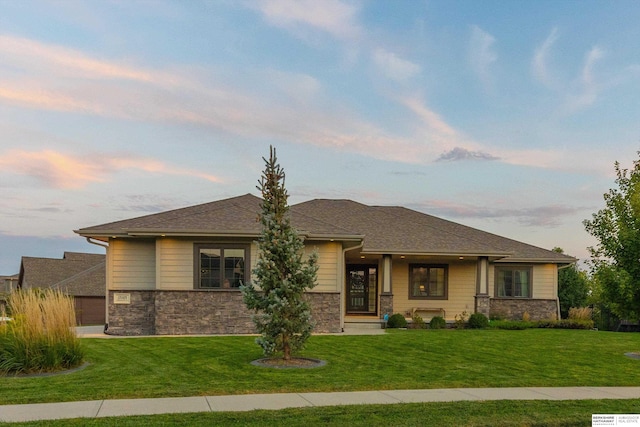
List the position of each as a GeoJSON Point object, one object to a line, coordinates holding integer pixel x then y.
{"type": "Point", "coordinates": [248, 402]}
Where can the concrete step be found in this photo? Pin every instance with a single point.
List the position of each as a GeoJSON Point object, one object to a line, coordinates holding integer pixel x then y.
{"type": "Point", "coordinates": [362, 324]}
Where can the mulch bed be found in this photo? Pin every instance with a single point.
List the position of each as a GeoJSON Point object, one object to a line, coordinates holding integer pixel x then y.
{"type": "Point", "coordinates": [46, 374]}
{"type": "Point", "coordinates": [294, 362]}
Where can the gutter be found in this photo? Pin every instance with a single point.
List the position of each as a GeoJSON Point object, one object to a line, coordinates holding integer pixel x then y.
{"type": "Point", "coordinates": [104, 245]}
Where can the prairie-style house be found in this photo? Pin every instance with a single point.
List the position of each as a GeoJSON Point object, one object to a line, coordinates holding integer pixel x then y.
{"type": "Point", "coordinates": [178, 272]}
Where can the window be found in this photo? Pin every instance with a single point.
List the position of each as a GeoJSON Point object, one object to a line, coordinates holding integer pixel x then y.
{"type": "Point", "coordinates": [513, 282]}
{"type": "Point", "coordinates": [221, 266]}
{"type": "Point", "coordinates": [427, 281]}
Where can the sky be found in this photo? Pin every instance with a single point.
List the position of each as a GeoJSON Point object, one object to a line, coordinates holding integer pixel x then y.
{"type": "Point", "coordinates": [503, 116]}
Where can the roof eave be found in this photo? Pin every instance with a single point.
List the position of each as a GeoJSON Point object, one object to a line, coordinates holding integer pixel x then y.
{"type": "Point", "coordinates": [199, 233]}
{"type": "Point", "coordinates": [538, 260]}
{"type": "Point", "coordinates": [435, 253]}
{"type": "Point", "coordinates": [333, 237]}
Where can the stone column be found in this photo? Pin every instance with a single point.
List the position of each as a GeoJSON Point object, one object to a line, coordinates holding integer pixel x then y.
{"type": "Point", "coordinates": [482, 287]}
{"type": "Point", "coordinates": [386, 296]}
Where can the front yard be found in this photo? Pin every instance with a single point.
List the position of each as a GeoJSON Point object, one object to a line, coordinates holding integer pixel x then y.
{"type": "Point", "coordinates": [166, 367]}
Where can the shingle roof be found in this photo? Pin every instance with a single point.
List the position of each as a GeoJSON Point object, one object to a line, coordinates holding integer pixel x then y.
{"type": "Point", "coordinates": [394, 229]}
{"type": "Point", "coordinates": [234, 216]}
{"type": "Point", "coordinates": [76, 274]}
{"type": "Point", "coordinates": [383, 229]}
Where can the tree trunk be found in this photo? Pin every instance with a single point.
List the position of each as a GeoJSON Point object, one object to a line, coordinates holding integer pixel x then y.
{"type": "Point", "coordinates": [286, 348]}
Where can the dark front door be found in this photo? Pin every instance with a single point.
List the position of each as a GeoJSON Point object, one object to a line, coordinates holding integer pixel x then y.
{"type": "Point", "coordinates": [362, 289]}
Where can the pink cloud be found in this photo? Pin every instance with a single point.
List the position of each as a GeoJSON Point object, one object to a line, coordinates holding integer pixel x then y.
{"type": "Point", "coordinates": [64, 171]}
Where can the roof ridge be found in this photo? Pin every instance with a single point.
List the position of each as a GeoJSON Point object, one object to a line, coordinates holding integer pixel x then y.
{"type": "Point", "coordinates": [152, 218]}
{"type": "Point", "coordinates": [193, 210]}
{"type": "Point", "coordinates": [298, 213]}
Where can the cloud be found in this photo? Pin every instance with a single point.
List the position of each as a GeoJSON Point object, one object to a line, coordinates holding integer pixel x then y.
{"type": "Point", "coordinates": [334, 17]}
{"type": "Point", "coordinates": [394, 67]}
{"type": "Point", "coordinates": [61, 61]}
{"type": "Point", "coordinates": [587, 87]}
{"type": "Point", "coordinates": [288, 107]}
{"type": "Point", "coordinates": [535, 216]}
{"type": "Point", "coordinates": [58, 170]}
{"type": "Point", "coordinates": [540, 57]}
{"type": "Point", "coordinates": [481, 53]}
{"type": "Point", "coordinates": [463, 154]}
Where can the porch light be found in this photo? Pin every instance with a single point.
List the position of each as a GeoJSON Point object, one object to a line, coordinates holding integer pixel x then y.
{"type": "Point", "coordinates": [361, 256]}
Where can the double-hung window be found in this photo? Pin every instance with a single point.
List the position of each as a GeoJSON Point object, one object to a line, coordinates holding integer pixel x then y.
{"type": "Point", "coordinates": [221, 266]}
{"type": "Point", "coordinates": [513, 281]}
{"type": "Point", "coordinates": [428, 281]}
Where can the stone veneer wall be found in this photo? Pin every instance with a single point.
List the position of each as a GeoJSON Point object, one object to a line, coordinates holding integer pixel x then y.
{"type": "Point", "coordinates": [386, 305]}
{"type": "Point", "coordinates": [136, 318]}
{"type": "Point", "coordinates": [483, 305]}
{"type": "Point", "coordinates": [203, 312]}
{"type": "Point", "coordinates": [514, 308]}
{"type": "Point", "coordinates": [325, 311]}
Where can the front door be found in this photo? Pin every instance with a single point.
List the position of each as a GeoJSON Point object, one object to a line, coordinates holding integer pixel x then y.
{"type": "Point", "coordinates": [362, 289]}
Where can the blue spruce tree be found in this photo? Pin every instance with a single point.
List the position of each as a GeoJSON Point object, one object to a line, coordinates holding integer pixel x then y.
{"type": "Point", "coordinates": [282, 274]}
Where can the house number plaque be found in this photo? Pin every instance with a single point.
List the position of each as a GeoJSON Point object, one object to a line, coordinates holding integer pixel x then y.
{"type": "Point", "coordinates": [122, 298]}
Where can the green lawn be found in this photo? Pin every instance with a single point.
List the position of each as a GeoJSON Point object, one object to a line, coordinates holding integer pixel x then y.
{"type": "Point", "coordinates": [165, 367]}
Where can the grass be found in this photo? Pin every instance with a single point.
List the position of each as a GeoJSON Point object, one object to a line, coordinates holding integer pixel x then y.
{"type": "Point", "coordinates": [411, 359]}
{"type": "Point", "coordinates": [491, 413]}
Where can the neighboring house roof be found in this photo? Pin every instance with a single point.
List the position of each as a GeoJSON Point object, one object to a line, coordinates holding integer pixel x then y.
{"type": "Point", "coordinates": [8, 283]}
{"type": "Point", "coordinates": [381, 229]}
{"type": "Point", "coordinates": [77, 274]}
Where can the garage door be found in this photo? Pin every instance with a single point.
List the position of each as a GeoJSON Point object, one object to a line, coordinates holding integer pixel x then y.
{"type": "Point", "coordinates": [90, 310]}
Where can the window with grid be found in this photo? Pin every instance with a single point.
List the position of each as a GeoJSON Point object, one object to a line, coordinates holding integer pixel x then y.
{"type": "Point", "coordinates": [221, 266]}
{"type": "Point", "coordinates": [513, 282]}
{"type": "Point", "coordinates": [428, 281]}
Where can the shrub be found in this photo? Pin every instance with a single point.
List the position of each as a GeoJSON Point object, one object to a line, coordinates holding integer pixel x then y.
{"type": "Point", "coordinates": [478, 321]}
{"type": "Point", "coordinates": [418, 322]}
{"type": "Point", "coordinates": [461, 320]}
{"type": "Point", "coordinates": [526, 317]}
{"type": "Point", "coordinates": [397, 321]}
{"type": "Point", "coordinates": [41, 335]}
{"type": "Point", "coordinates": [512, 325]}
{"type": "Point", "coordinates": [565, 324]}
{"type": "Point", "coordinates": [437, 322]}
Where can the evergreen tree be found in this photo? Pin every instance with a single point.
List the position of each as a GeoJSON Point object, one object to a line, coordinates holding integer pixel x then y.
{"type": "Point", "coordinates": [282, 275]}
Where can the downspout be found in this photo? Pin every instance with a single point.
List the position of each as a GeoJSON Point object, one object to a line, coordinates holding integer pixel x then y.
{"type": "Point", "coordinates": [343, 295]}
{"type": "Point", "coordinates": [106, 310]}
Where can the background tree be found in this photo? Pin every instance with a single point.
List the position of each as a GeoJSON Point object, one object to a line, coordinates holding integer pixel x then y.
{"type": "Point", "coordinates": [615, 260]}
{"type": "Point", "coordinates": [282, 317]}
{"type": "Point", "coordinates": [573, 287]}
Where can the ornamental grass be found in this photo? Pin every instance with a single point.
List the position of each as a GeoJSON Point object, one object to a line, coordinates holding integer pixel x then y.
{"type": "Point", "coordinates": [40, 335]}
{"type": "Point", "coordinates": [580, 313]}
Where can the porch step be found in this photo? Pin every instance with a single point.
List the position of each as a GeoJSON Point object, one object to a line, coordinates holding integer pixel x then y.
{"type": "Point", "coordinates": [351, 324]}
